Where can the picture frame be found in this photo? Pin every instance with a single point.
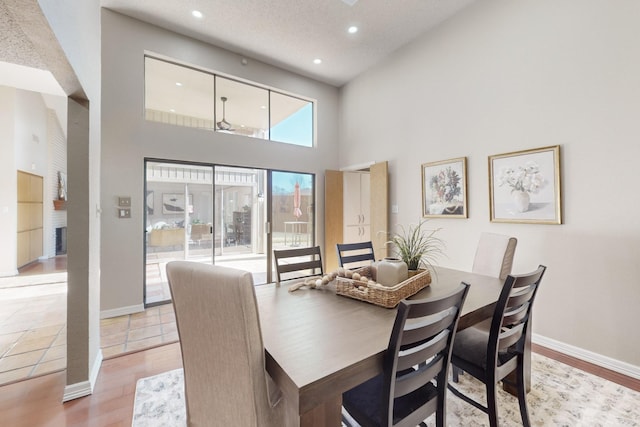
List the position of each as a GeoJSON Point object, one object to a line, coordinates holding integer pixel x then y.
{"type": "Point", "coordinates": [173, 203]}
{"type": "Point", "coordinates": [444, 189]}
{"type": "Point", "coordinates": [524, 186]}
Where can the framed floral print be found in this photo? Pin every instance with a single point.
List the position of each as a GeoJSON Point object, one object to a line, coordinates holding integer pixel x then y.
{"type": "Point", "coordinates": [444, 189]}
{"type": "Point", "coordinates": [524, 186]}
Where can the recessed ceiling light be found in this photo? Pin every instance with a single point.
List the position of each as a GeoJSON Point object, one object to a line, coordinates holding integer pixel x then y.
{"type": "Point", "coordinates": [263, 107]}
{"type": "Point", "coordinates": [178, 84]}
{"type": "Point", "coordinates": [197, 13]}
{"type": "Point", "coordinates": [172, 110]}
{"type": "Point", "coordinates": [317, 61]}
{"type": "Point", "coordinates": [352, 29]}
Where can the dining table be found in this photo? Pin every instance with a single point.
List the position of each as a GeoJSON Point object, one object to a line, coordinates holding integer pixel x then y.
{"type": "Point", "coordinates": [320, 344]}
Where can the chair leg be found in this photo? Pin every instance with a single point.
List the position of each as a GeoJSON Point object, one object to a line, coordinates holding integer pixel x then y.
{"type": "Point", "coordinates": [522, 396]}
{"type": "Point", "coordinates": [455, 373]}
{"type": "Point", "coordinates": [492, 404]}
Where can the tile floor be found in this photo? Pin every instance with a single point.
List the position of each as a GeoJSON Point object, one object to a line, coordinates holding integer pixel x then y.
{"type": "Point", "coordinates": [33, 327]}
{"type": "Point", "coordinates": [33, 315]}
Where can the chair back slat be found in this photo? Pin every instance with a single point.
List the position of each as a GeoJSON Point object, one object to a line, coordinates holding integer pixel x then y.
{"type": "Point", "coordinates": [521, 296]}
{"type": "Point", "coordinates": [353, 255]}
{"type": "Point", "coordinates": [431, 326]}
{"type": "Point", "coordinates": [509, 337]}
{"type": "Point", "coordinates": [306, 262]}
{"type": "Point", "coordinates": [425, 351]}
{"type": "Point", "coordinates": [516, 316]}
{"type": "Point", "coordinates": [412, 381]}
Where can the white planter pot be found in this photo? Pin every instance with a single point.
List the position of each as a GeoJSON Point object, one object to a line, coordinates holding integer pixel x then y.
{"type": "Point", "coordinates": [391, 271]}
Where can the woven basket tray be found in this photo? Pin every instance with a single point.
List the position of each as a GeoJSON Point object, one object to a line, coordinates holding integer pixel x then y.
{"type": "Point", "coordinates": [385, 296]}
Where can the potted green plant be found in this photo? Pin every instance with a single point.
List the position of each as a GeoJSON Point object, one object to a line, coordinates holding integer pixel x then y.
{"type": "Point", "coordinates": [417, 246]}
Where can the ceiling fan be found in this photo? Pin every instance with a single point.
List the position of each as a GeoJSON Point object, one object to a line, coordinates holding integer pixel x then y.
{"type": "Point", "coordinates": [224, 124]}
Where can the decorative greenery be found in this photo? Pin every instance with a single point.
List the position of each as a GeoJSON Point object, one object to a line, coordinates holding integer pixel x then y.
{"type": "Point", "coordinates": [526, 178]}
{"type": "Point", "coordinates": [417, 246]}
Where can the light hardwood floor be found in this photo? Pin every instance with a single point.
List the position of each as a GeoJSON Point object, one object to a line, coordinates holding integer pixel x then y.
{"type": "Point", "coordinates": [36, 402]}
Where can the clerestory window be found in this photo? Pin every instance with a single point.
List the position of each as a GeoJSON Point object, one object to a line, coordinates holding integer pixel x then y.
{"type": "Point", "coordinates": [183, 96]}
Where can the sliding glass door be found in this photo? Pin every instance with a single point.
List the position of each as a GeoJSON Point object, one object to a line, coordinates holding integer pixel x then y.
{"type": "Point", "coordinates": [178, 221]}
{"type": "Point", "coordinates": [292, 210]}
{"type": "Point", "coordinates": [240, 217]}
{"type": "Point", "coordinates": [221, 215]}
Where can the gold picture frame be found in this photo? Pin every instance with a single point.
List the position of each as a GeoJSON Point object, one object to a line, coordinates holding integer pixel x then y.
{"type": "Point", "coordinates": [524, 186]}
{"type": "Point", "coordinates": [444, 189]}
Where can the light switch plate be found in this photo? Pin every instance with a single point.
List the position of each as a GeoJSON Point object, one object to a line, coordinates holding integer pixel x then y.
{"type": "Point", "coordinates": [124, 202]}
{"type": "Point", "coordinates": [124, 213]}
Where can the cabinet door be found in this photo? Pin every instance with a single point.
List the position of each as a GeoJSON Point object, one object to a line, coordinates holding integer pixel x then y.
{"type": "Point", "coordinates": [23, 249]}
{"type": "Point", "coordinates": [352, 198]}
{"type": "Point", "coordinates": [356, 233]}
{"type": "Point", "coordinates": [365, 198]}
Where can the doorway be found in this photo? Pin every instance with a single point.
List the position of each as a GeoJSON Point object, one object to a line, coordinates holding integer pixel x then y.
{"type": "Point", "coordinates": [224, 215]}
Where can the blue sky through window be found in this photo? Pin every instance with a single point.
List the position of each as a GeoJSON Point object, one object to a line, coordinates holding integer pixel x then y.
{"type": "Point", "coordinates": [296, 129]}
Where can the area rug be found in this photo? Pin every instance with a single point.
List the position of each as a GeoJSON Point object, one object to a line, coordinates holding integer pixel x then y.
{"type": "Point", "coordinates": [560, 396]}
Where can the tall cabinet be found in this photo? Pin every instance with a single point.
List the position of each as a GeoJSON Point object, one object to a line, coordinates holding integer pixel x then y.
{"type": "Point", "coordinates": [356, 210]}
{"type": "Point", "coordinates": [356, 206]}
{"type": "Point", "coordinates": [29, 218]}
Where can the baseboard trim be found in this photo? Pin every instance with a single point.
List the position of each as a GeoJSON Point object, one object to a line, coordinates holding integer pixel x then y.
{"type": "Point", "coordinates": [84, 388]}
{"type": "Point", "coordinates": [95, 370]}
{"type": "Point", "coordinates": [588, 356]}
{"type": "Point", "coordinates": [77, 390]}
{"type": "Point", "coordinates": [121, 311]}
{"type": "Point", "coordinates": [9, 273]}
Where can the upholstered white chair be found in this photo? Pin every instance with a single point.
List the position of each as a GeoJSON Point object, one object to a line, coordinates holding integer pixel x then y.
{"type": "Point", "coordinates": [223, 356]}
{"type": "Point", "coordinates": [494, 255]}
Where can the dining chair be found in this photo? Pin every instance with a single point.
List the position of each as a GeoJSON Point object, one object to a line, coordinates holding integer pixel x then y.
{"type": "Point", "coordinates": [223, 356]}
{"type": "Point", "coordinates": [491, 354]}
{"type": "Point", "coordinates": [413, 383]}
{"type": "Point", "coordinates": [298, 263]}
{"type": "Point", "coordinates": [494, 255]}
{"type": "Point", "coordinates": [355, 254]}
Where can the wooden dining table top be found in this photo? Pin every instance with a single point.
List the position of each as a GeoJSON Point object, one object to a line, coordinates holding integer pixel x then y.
{"type": "Point", "coordinates": [320, 344]}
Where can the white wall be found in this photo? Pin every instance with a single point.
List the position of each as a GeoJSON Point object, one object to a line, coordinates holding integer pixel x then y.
{"type": "Point", "coordinates": [31, 133]}
{"type": "Point", "coordinates": [9, 187]}
{"type": "Point", "coordinates": [25, 142]}
{"type": "Point", "coordinates": [57, 163]}
{"type": "Point", "coordinates": [505, 76]}
{"type": "Point", "coordinates": [127, 139]}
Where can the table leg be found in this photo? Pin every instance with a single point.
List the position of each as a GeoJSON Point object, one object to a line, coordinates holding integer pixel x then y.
{"type": "Point", "coordinates": [326, 415]}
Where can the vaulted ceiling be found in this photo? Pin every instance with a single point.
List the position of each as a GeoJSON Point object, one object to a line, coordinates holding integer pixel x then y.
{"type": "Point", "coordinates": [292, 33]}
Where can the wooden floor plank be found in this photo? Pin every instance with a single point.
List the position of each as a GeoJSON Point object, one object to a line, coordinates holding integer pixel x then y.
{"type": "Point", "coordinates": [37, 402]}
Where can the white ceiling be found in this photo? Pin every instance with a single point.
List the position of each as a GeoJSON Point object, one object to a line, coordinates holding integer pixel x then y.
{"type": "Point", "coordinates": [291, 33]}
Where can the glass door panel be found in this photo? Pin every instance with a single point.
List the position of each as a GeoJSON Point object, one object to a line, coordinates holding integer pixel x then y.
{"type": "Point", "coordinates": [292, 210]}
{"type": "Point", "coordinates": [179, 221]}
{"type": "Point", "coordinates": [240, 217]}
